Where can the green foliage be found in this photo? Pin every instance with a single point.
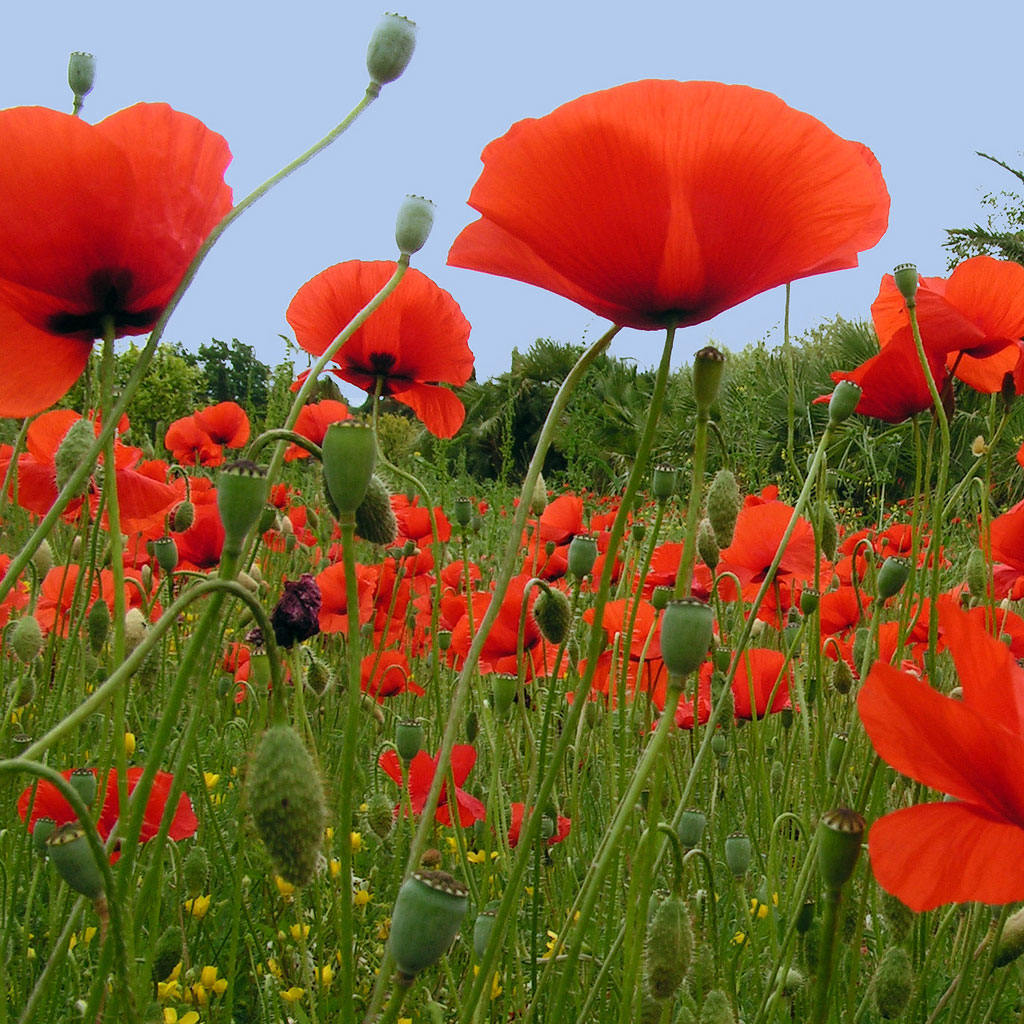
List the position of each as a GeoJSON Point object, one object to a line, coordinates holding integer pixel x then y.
{"type": "Point", "coordinates": [1003, 233]}
{"type": "Point", "coordinates": [234, 374]}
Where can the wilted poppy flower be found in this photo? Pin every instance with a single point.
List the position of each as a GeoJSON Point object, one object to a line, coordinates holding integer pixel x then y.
{"type": "Point", "coordinates": [969, 848]}
{"type": "Point", "coordinates": [98, 223]}
{"type": "Point", "coordinates": [47, 802]}
{"type": "Point", "coordinates": [664, 202]}
{"type": "Point", "coordinates": [296, 616]}
{"type": "Point", "coordinates": [421, 777]}
{"type": "Point", "coordinates": [412, 345]}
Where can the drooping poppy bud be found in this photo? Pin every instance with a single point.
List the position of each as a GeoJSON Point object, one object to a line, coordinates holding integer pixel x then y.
{"type": "Point", "coordinates": [183, 517]}
{"type": "Point", "coordinates": [375, 518]}
{"type": "Point", "coordinates": [380, 815]}
{"type": "Point", "coordinates": [241, 495]}
{"type": "Point", "coordinates": [97, 626]}
{"type": "Point", "coordinates": [553, 615]}
{"type": "Point", "coordinates": [27, 638]}
{"type": "Point", "coordinates": [723, 506]}
{"type": "Point", "coordinates": [669, 948]}
{"type": "Point", "coordinates": [828, 534]}
{"type": "Point", "coordinates": [412, 228]}
{"type": "Point", "coordinates": [195, 871]}
{"type": "Point", "coordinates": [350, 454]}
{"type": "Point", "coordinates": [840, 833]}
{"type": "Point", "coordinates": [42, 558]}
{"type": "Point", "coordinates": [391, 48]}
{"type": "Point", "coordinates": [686, 631]}
{"type": "Point", "coordinates": [538, 496]}
{"type": "Point", "coordinates": [894, 981]}
{"type": "Point", "coordinates": [834, 754]}
{"type": "Point", "coordinates": [977, 574]}
{"type": "Point", "coordinates": [428, 911]}
{"type": "Point", "coordinates": [74, 860]}
{"type": "Point", "coordinates": [296, 616]}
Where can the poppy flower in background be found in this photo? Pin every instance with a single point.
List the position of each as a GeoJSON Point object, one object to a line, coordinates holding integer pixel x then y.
{"type": "Point", "coordinates": [190, 445]}
{"type": "Point", "coordinates": [46, 802]}
{"type": "Point", "coordinates": [421, 778]}
{"type": "Point", "coordinates": [386, 675]}
{"type": "Point", "coordinates": [413, 344]}
{"type": "Point", "coordinates": [515, 826]}
{"type": "Point", "coordinates": [97, 222]}
{"type": "Point", "coordinates": [664, 202]}
{"type": "Point", "coordinates": [313, 421]}
{"type": "Point", "coordinates": [970, 848]}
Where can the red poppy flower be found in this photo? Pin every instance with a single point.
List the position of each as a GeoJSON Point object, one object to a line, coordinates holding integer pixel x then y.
{"type": "Point", "coordinates": [313, 421]}
{"type": "Point", "coordinates": [227, 423]}
{"type": "Point", "coordinates": [334, 596]}
{"type": "Point", "coordinates": [516, 826]}
{"type": "Point", "coordinates": [386, 675]}
{"type": "Point", "coordinates": [421, 778]}
{"type": "Point", "coordinates": [415, 342]}
{"type": "Point", "coordinates": [969, 849]}
{"type": "Point", "coordinates": [663, 201]}
{"type": "Point", "coordinates": [47, 802]}
{"type": "Point", "coordinates": [96, 222]}
{"type": "Point", "coordinates": [201, 545]}
{"type": "Point", "coordinates": [760, 683]}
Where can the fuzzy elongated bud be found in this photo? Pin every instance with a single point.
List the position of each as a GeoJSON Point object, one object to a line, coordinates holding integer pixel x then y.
{"type": "Point", "coordinates": [183, 517]}
{"type": "Point", "coordinates": [349, 454]}
{"type": "Point", "coordinates": [27, 638]}
{"type": "Point", "coordinates": [686, 632]}
{"type": "Point", "coordinates": [553, 615]}
{"type": "Point", "coordinates": [669, 948]}
{"type": "Point", "coordinates": [834, 755]}
{"type": "Point", "coordinates": [98, 626]}
{"type": "Point", "coordinates": [977, 574]}
{"type": "Point", "coordinates": [196, 871]}
{"type": "Point", "coordinates": [707, 544]}
{"type": "Point", "coordinates": [412, 228]}
{"type": "Point", "coordinates": [723, 506]}
{"type": "Point", "coordinates": [900, 918]}
{"type": "Point", "coordinates": [840, 833]}
{"type": "Point", "coordinates": [844, 401]}
{"type": "Point", "coordinates": [72, 450]}
{"type": "Point", "coordinates": [828, 531]}
{"type": "Point", "coordinates": [894, 982]}
{"type": "Point", "coordinates": [168, 953]}
{"type": "Point", "coordinates": [391, 48]}
{"type": "Point", "coordinates": [135, 628]}
{"type": "Point", "coordinates": [380, 815]}
{"type": "Point", "coordinates": [241, 495]}
{"type": "Point", "coordinates": [708, 366]}
{"type": "Point", "coordinates": [375, 518]}
{"type": "Point", "coordinates": [42, 559]}
{"type": "Point", "coordinates": [74, 860]}
{"type": "Point", "coordinates": [428, 911]}
{"type": "Point", "coordinates": [905, 276]}
{"type": "Point", "coordinates": [539, 496]}
{"type": "Point", "coordinates": [582, 555]}
{"type": "Point", "coordinates": [717, 1009]}
{"type": "Point", "coordinates": [81, 74]}
{"type": "Point", "coordinates": [286, 799]}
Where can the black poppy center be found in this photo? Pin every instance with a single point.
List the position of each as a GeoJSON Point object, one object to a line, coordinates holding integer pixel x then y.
{"type": "Point", "coordinates": [110, 290]}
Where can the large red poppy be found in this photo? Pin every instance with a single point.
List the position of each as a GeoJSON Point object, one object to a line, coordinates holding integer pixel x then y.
{"type": "Point", "coordinates": [970, 848]}
{"type": "Point", "coordinates": [421, 778]}
{"type": "Point", "coordinates": [413, 344]}
{"type": "Point", "coordinates": [96, 222]}
{"type": "Point", "coordinates": [664, 201]}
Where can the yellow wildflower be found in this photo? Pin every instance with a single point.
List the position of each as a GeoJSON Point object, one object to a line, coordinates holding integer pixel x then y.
{"type": "Point", "coordinates": [453, 844]}
{"type": "Point", "coordinates": [361, 897]}
{"type": "Point", "coordinates": [299, 931]}
{"type": "Point", "coordinates": [129, 744]}
{"type": "Point", "coordinates": [738, 939]}
{"type": "Point", "coordinates": [335, 867]}
{"type": "Point", "coordinates": [476, 856]}
{"type": "Point", "coordinates": [286, 889]}
{"type": "Point", "coordinates": [198, 906]}
{"type": "Point", "coordinates": [210, 779]}
{"type": "Point", "coordinates": [356, 840]}
{"type": "Point", "coordinates": [326, 975]}
{"type": "Point", "coordinates": [85, 938]}
{"type": "Point", "coordinates": [171, 1016]}
{"type": "Point", "coordinates": [293, 994]}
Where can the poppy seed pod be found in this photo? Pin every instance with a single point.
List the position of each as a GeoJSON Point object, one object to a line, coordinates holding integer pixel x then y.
{"type": "Point", "coordinates": [428, 911]}
{"type": "Point", "coordinates": [241, 495]}
{"type": "Point", "coordinates": [660, 597]}
{"type": "Point", "coordinates": [74, 860]}
{"type": "Point", "coordinates": [166, 552]}
{"type": "Point", "coordinates": [503, 691]}
{"type": "Point", "coordinates": [350, 454]}
{"type": "Point", "coordinates": [664, 481]}
{"type": "Point", "coordinates": [391, 48]}
{"type": "Point", "coordinates": [81, 73]}
{"type": "Point", "coordinates": [408, 738]}
{"type": "Point", "coordinates": [723, 506]}
{"type": "Point", "coordinates": [892, 576]}
{"type": "Point", "coordinates": [582, 555]}
{"type": "Point", "coordinates": [840, 833]}
{"type": "Point", "coordinates": [690, 829]}
{"type": "Point", "coordinates": [483, 926]}
{"type": "Point", "coordinates": [708, 365]}
{"type": "Point", "coordinates": [905, 276]}
{"type": "Point", "coordinates": [844, 401]}
{"type": "Point", "coordinates": [737, 853]}
{"type": "Point", "coordinates": [463, 511]}
{"type": "Point", "coordinates": [412, 227]}
{"type": "Point", "coordinates": [44, 828]}
{"type": "Point", "coordinates": [83, 782]}
{"type": "Point", "coordinates": [687, 628]}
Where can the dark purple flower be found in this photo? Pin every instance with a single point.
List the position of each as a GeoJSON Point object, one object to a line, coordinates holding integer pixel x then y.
{"type": "Point", "coordinates": [297, 615]}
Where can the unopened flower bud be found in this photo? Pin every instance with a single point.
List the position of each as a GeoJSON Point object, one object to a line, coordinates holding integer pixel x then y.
{"type": "Point", "coordinates": [834, 754]}
{"type": "Point", "coordinates": [183, 517]}
{"type": "Point", "coordinates": [27, 638]}
{"type": "Point", "coordinates": [539, 496]}
{"type": "Point", "coordinates": [415, 219]}
{"type": "Point", "coordinates": [42, 559]}
{"type": "Point", "coordinates": [894, 982]}
{"type": "Point", "coordinates": [723, 506]}
{"type": "Point", "coordinates": [892, 575]}
{"type": "Point", "coordinates": [97, 625]}
{"type": "Point", "coordinates": [553, 615]}
{"type": "Point", "coordinates": [978, 576]}
{"type": "Point", "coordinates": [391, 48]}
{"type": "Point", "coordinates": [135, 627]}
{"type": "Point", "coordinates": [707, 545]}
{"type": "Point", "coordinates": [375, 517]}
{"type": "Point", "coordinates": [669, 948]}
{"type": "Point", "coordinates": [72, 451]}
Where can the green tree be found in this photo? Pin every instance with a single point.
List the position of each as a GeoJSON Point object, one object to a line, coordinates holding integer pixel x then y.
{"type": "Point", "coordinates": [234, 374]}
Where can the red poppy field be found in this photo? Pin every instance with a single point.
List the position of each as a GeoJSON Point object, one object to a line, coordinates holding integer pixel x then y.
{"type": "Point", "coordinates": [599, 694]}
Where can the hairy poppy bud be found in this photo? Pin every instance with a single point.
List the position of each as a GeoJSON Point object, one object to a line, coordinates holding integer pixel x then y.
{"type": "Point", "coordinates": [196, 871]}
{"type": "Point", "coordinates": [74, 860]}
{"type": "Point", "coordinates": [898, 916]}
{"type": "Point", "coordinates": [828, 534]}
{"type": "Point", "coordinates": [707, 545]}
{"type": "Point", "coordinates": [664, 481]}
{"type": "Point", "coordinates": [905, 276]}
{"type": "Point", "coordinates": [892, 576]}
{"type": "Point", "coordinates": [375, 518]}
{"type": "Point", "coordinates": [894, 981]}
{"type": "Point", "coordinates": [72, 450]}
{"type": "Point", "coordinates": [391, 48]}
{"type": "Point", "coordinates": [97, 625]}
{"type": "Point", "coordinates": [42, 558]}
{"type": "Point", "coordinates": [977, 574]}
{"type": "Point", "coordinates": [686, 632]}
{"type": "Point", "coordinates": [582, 555]}
{"type": "Point", "coordinates": [717, 1009]}
{"type": "Point", "coordinates": [428, 911]}
{"type": "Point", "coordinates": [839, 841]}
{"type": "Point", "coordinates": [723, 506]}
{"type": "Point", "coordinates": [27, 638]}
{"type": "Point", "coordinates": [168, 953]}
{"type": "Point", "coordinates": [691, 828]}
{"type": "Point", "coordinates": [408, 738]}
{"type": "Point", "coordinates": [241, 495]}
{"type": "Point", "coordinates": [805, 917]}
{"type": "Point", "coordinates": [380, 815]}
{"type": "Point", "coordinates": [183, 517]}
{"type": "Point", "coordinates": [737, 853]}
{"type": "Point", "coordinates": [539, 496]}
{"type": "Point", "coordinates": [1011, 940]}
{"type": "Point", "coordinates": [708, 365]}
{"type": "Point", "coordinates": [350, 454]}
{"type": "Point", "coordinates": [844, 401]}
{"type": "Point", "coordinates": [166, 552]}
{"type": "Point", "coordinates": [669, 948]}
{"type": "Point", "coordinates": [286, 799]}
{"type": "Point", "coordinates": [135, 628]}
{"type": "Point", "coordinates": [553, 615]}
{"type": "Point", "coordinates": [415, 219]}
{"type": "Point", "coordinates": [81, 74]}
{"type": "Point", "coordinates": [834, 754]}
{"type": "Point", "coordinates": [319, 676]}
{"type": "Point", "coordinates": [296, 616]}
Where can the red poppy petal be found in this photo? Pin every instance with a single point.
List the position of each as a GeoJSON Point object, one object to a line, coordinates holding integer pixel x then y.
{"type": "Point", "coordinates": [949, 852]}
{"type": "Point", "coordinates": [463, 759]}
{"type": "Point", "coordinates": [991, 293]}
{"type": "Point", "coordinates": [438, 408]}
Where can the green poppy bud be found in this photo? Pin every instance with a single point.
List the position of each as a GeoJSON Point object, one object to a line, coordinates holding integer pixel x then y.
{"type": "Point", "coordinates": [241, 495]}
{"type": "Point", "coordinates": [828, 534]}
{"type": "Point", "coordinates": [717, 1009]}
{"type": "Point", "coordinates": [898, 916]}
{"type": "Point", "coordinates": [27, 638]}
{"type": "Point", "coordinates": [286, 799]}
{"type": "Point", "coordinates": [168, 954]}
{"type": "Point", "coordinates": [74, 860]}
{"type": "Point", "coordinates": [380, 815]}
{"type": "Point", "coordinates": [834, 755]}
{"type": "Point", "coordinates": [428, 911]}
{"type": "Point", "coordinates": [81, 74]}
{"type": "Point", "coordinates": [707, 544]}
{"type": "Point", "coordinates": [978, 575]}
{"type": "Point", "coordinates": [844, 401]}
{"type": "Point", "coordinates": [690, 829]}
{"type": "Point", "coordinates": [553, 615]}
{"type": "Point", "coordinates": [135, 629]}
{"type": "Point", "coordinates": [408, 738]}
{"type": "Point", "coordinates": [375, 518]}
{"type": "Point", "coordinates": [894, 982]}
{"type": "Point", "coordinates": [805, 918]}
{"type": "Point", "coordinates": [539, 496]}
{"type": "Point", "coordinates": [723, 506]}
{"type": "Point", "coordinates": [737, 853]}
{"type": "Point", "coordinates": [842, 676]}
{"type": "Point", "coordinates": [391, 48]}
{"type": "Point", "coordinates": [412, 228]}
{"type": "Point", "coordinates": [166, 552]}
{"type": "Point", "coordinates": [1011, 940]}
{"type": "Point", "coordinates": [183, 517]}
{"type": "Point", "coordinates": [892, 576]}
{"type": "Point", "coordinates": [582, 555]}
{"type": "Point", "coordinates": [42, 558]}
{"type": "Point", "coordinates": [196, 871]}
{"type": "Point", "coordinates": [349, 454]}
{"type": "Point", "coordinates": [708, 365]}
{"type": "Point", "coordinates": [472, 726]}
{"type": "Point", "coordinates": [72, 451]}
{"type": "Point", "coordinates": [840, 833]}
{"type": "Point", "coordinates": [664, 482]}
{"type": "Point", "coordinates": [687, 627]}
{"type": "Point", "coordinates": [668, 949]}
{"type": "Point", "coordinates": [98, 626]}
{"type": "Point", "coordinates": [906, 278]}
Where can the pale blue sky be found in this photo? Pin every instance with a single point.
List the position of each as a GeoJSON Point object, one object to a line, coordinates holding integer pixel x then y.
{"type": "Point", "coordinates": [922, 89]}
